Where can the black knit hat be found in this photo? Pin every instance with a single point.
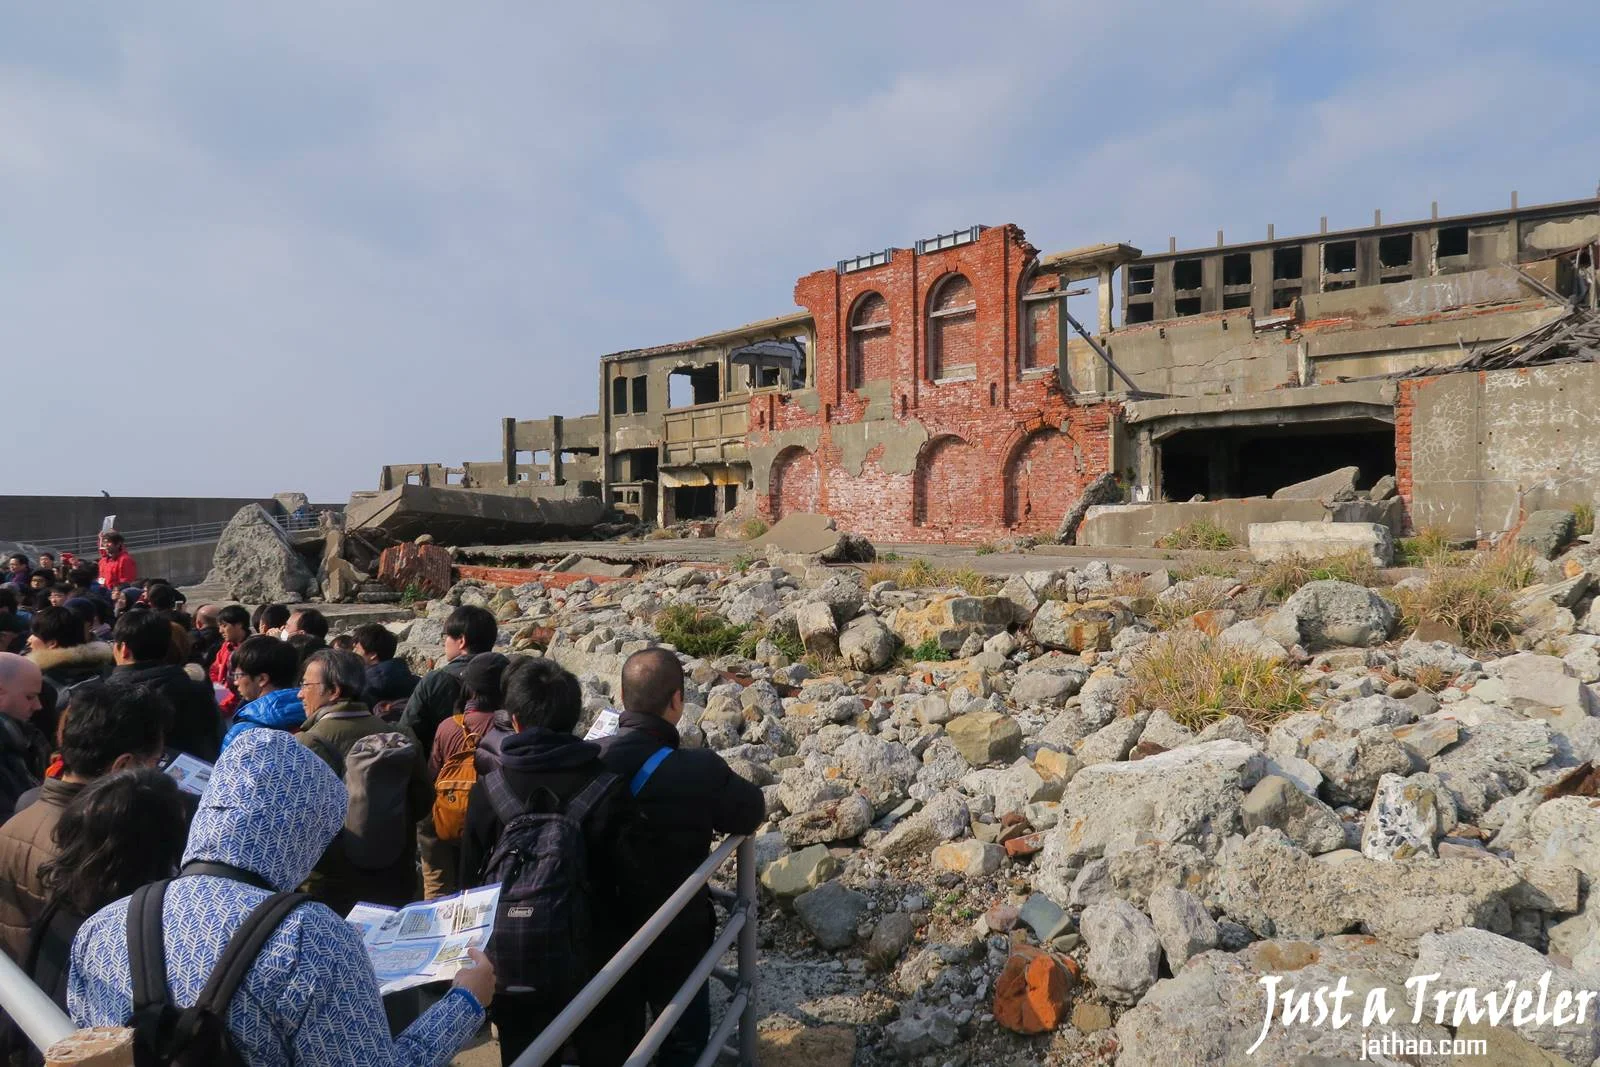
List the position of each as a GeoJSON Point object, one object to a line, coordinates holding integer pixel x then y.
{"type": "Point", "coordinates": [483, 672]}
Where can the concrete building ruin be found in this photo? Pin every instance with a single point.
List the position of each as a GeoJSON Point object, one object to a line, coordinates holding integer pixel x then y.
{"type": "Point", "coordinates": [943, 391]}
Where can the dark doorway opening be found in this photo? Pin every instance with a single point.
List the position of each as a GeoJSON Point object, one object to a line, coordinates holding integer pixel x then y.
{"type": "Point", "coordinates": [1243, 461]}
{"type": "Point", "coordinates": [694, 502]}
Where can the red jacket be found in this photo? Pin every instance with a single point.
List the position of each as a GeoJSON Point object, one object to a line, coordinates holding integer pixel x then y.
{"type": "Point", "coordinates": [221, 674]}
{"type": "Point", "coordinates": [116, 573]}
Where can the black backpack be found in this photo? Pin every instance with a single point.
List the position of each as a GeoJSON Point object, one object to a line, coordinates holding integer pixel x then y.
{"type": "Point", "coordinates": [165, 1035]}
{"type": "Point", "coordinates": [543, 928]}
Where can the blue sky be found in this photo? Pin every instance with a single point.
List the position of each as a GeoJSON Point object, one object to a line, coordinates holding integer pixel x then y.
{"type": "Point", "coordinates": [253, 248]}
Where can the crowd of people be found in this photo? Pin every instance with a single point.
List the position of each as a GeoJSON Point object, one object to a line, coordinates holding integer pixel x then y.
{"type": "Point", "coordinates": [337, 776]}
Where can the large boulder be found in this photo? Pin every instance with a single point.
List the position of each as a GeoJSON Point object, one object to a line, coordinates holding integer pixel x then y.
{"type": "Point", "coordinates": [866, 644]}
{"type": "Point", "coordinates": [1190, 795]}
{"type": "Point", "coordinates": [1124, 950]}
{"type": "Point", "coordinates": [1546, 532]}
{"type": "Point", "coordinates": [984, 737]}
{"type": "Point", "coordinates": [257, 564]}
{"type": "Point", "coordinates": [949, 621]}
{"type": "Point", "coordinates": [1079, 627]}
{"type": "Point", "coordinates": [1329, 614]}
{"type": "Point", "coordinates": [1211, 1010]}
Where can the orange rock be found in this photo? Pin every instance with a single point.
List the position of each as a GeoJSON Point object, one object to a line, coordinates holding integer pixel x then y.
{"type": "Point", "coordinates": [1033, 993]}
{"type": "Point", "coordinates": [1026, 845]}
{"type": "Point", "coordinates": [1211, 623]}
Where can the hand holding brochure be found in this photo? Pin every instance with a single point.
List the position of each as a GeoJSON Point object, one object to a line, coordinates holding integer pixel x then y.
{"type": "Point", "coordinates": [190, 772]}
{"type": "Point", "coordinates": [424, 942]}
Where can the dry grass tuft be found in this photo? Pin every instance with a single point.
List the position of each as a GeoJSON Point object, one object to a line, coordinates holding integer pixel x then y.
{"type": "Point", "coordinates": [1430, 545]}
{"type": "Point", "coordinates": [1582, 519]}
{"type": "Point", "coordinates": [1199, 679]}
{"type": "Point", "coordinates": [1284, 576]}
{"type": "Point", "coordinates": [1474, 598]}
{"type": "Point", "coordinates": [752, 528]}
{"type": "Point", "coordinates": [1169, 611]}
{"type": "Point", "coordinates": [920, 574]}
{"type": "Point", "coordinates": [1200, 534]}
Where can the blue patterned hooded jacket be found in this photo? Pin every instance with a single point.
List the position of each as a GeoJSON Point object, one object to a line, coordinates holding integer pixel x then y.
{"type": "Point", "coordinates": [272, 808]}
{"type": "Point", "coordinates": [280, 709]}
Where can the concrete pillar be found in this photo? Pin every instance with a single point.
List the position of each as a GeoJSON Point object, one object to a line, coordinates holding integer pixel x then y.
{"type": "Point", "coordinates": [1105, 301]}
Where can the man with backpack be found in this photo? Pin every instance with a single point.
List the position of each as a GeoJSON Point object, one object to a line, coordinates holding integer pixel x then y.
{"type": "Point", "coordinates": [468, 631]}
{"type": "Point", "coordinates": [560, 917]}
{"type": "Point", "coordinates": [306, 994]}
{"type": "Point", "coordinates": [685, 797]}
{"type": "Point", "coordinates": [386, 776]}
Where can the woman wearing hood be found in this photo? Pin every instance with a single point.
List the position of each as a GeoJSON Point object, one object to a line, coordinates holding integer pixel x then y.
{"type": "Point", "coordinates": [270, 811]}
{"type": "Point", "coordinates": [266, 674]}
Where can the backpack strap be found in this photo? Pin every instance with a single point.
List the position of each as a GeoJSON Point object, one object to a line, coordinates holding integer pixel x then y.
{"type": "Point", "coordinates": [226, 870]}
{"type": "Point", "coordinates": [579, 806]}
{"type": "Point", "coordinates": [470, 739]}
{"type": "Point", "coordinates": [507, 805]}
{"type": "Point", "coordinates": [657, 758]}
{"type": "Point", "coordinates": [147, 955]}
{"type": "Point", "coordinates": [243, 948]}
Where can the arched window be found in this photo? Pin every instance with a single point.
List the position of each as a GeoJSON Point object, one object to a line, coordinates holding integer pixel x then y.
{"type": "Point", "coordinates": [952, 329]}
{"type": "Point", "coordinates": [870, 354]}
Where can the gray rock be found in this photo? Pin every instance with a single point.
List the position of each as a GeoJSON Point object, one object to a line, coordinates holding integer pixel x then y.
{"type": "Point", "coordinates": [256, 563]}
{"type": "Point", "coordinates": [1113, 741]}
{"type": "Point", "coordinates": [1189, 795]}
{"type": "Point", "coordinates": [1404, 820]}
{"type": "Point", "coordinates": [1041, 915]}
{"type": "Point", "coordinates": [866, 643]}
{"type": "Point", "coordinates": [844, 819]}
{"type": "Point", "coordinates": [1020, 785]}
{"type": "Point", "coordinates": [1373, 711]}
{"type": "Point", "coordinates": [1045, 688]}
{"type": "Point", "coordinates": [920, 1033]}
{"type": "Point", "coordinates": [1182, 923]}
{"type": "Point", "coordinates": [1546, 532]}
{"type": "Point", "coordinates": [1078, 627]}
{"type": "Point", "coordinates": [1136, 872]}
{"type": "Point", "coordinates": [1330, 614]}
{"type": "Point", "coordinates": [1277, 890]}
{"type": "Point", "coordinates": [985, 737]}
{"type": "Point", "coordinates": [831, 913]}
{"type": "Point", "coordinates": [1124, 950]}
{"type": "Point", "coordinates": [1308, 822]}
{"type": "Point", "coordinates": [1093, 883]}
{"type": "Point", "coordinates": [1428, 737]}
{"type": "Point", "coordinates": [943, 818]}
{"type": "Point", "coordinates": [933, 709]}
{"type": "Point", "coordinates": [1484, 961]}
{"type": "Point", "coordinates": [1495, 761]}
{"type": "Point", "coordinates": [1210, 1012]}
{"type": "Point", "coordinates": [1159, 729]}
{"type": "Point", "coordinates": [971, 859]}
{"type": "Point", "coordinates": [1441, 656]}
{"type": "Point", "coordinates": [883, 770]}
{"type": "Point", "coordinates": [1329, 488]}
{"type": "Point", "coordinates": [890, 937]}
{"type": "Point", "coordinates": [1351, 767]}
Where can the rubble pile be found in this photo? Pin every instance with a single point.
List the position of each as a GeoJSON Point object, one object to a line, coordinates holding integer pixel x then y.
{"type": "Point", "coordinates": [996, 850]}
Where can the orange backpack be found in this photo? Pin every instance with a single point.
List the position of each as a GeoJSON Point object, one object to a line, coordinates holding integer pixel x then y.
{"type": "Point", "coordinates": [456, 779]}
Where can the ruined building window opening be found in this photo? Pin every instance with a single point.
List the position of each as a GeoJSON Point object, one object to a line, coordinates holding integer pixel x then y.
{"type": "Point", "coordinates": [1187, 274]}
{"type": "Point", "coordinates": [413, 478]}
{"type": "Point", "coordinates": [694, 502]}
{"type": "Point", "coordinates": [1235, 300]}
{"type": "Point", "coordinates": [1452, 242]}
{"type": "Point", "coordinates": [641, 394]}
{"type": "Point", "coordinates": [1244, 461]}
{"type": "Point", "coordinates": [541, 460]}
{"type": "Point", "coordinates": [1282, 298]}
{"type": "Point", "coordinates": [1141, 279]}
{"type": "Point", "coordinates": [1339, 257]}
{"type": "Point", "coordinates": [952, 329]}
{"type": "Point", "coordinates": [1394, 250]}
{"type": "Point", "coordinates": [1041, 321]}
{"type": "Point", "coordinates": [869, 353]}
{"type": "Point", "coordinates": [692, 386]}
{"type": "Point", "coordinates": [771, 377]}
{"type": "Point", "coordinates": [454, 477]}
{"type": "Point", "coordinates": [1189, 305]}
{"type": "Point", "coordinates": [1288, 264]}
{"type": "Point", "coordinates": [1138, 312]}
{"type": "Point", "coordinates": [1236, 269]}
{"type": "Point", "coordinates": [730, 498]}
{"type": "Point", "coordinates": [619, 396]}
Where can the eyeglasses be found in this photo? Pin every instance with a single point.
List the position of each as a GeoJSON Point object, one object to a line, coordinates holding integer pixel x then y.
{"type": "Point", "coordinates": [310, 685]}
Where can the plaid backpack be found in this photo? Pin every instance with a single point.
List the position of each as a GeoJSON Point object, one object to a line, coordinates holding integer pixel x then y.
{"type": "Point", "coordinates": [542, 926]}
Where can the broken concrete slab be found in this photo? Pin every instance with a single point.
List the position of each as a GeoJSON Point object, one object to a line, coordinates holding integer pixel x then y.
{"type": "Point", "coordinates": [1335, 485]}
{"type": "Point", "coordinates": [1271, 541]}
{"type": "Point", "coordinates": [256, 563]}
{"type": "Point", "coordinates": [803, 533]}
{"type": "Point", "coordinates": [470, 516]}
{"type": "Point", "coordinates": [577, 564]}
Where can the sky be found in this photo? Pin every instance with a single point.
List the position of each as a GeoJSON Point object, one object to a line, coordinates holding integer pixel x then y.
{"type": "Point", "coordinates": [247, 249]}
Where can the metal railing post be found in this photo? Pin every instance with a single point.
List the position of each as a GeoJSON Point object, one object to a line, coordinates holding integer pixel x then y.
{"type": "Point", "coordinates": [35, 1014]}
{"type": "Point", "coordinates": [747, 949]}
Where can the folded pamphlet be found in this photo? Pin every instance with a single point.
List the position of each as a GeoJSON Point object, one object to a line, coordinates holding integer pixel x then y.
{"type": "Point", "coordinates": [189, 772]}
{"type": "Point", "coordinates": [427, 941]}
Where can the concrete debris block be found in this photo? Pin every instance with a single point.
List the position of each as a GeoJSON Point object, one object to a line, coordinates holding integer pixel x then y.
{"type": "Point", "coordinates": [1440, 658]}
{"type": "Point", "coordinates": [1328, 488]}
{"type": "Point", "coordinates": [1330, 614]}
{"type": "Point", "coordinates": [1270, 541]}
{"type": "Point", "coordinates": [1103, 490]}
{"type": "Point", "coordinates": [1537, 686]}
{"type": "Point", "coordinates": [1079, 627]}
{"type": "Point", "coordinates": [831, 912]}
{"type": "Point", "coordinates": [1190, 795]}
{"type": "Point", "coordinates": [849, 548]}
{"type": "Point", "coordinates": [1565, 830]}
{"type": "Point", "coordinates": [1546, 532]}
{"type": "Point", "coordinates": [944, 818]}
{"type": "Point", "coordinates": [866, 644]}
{"type": "Point", "coordinates": [971, 859]}
{"type": "Point", "coordinates": [1480, 960]}
{"type": "Point", "coordinates": [1136, 871]}
{"type": "Point", "coordinates": [1429, 737]}
{"type": "Point", "coordinates": [1305, 820]}
{"type": "Point", "coordinates": [256, 562]}
{"type": "Point", "coordinates": [1378, 710]}
{"type": "Point", "coordinates": [844, 819]}
{"type": "Point", "coordinates": [1160, 729]}
{"type": "Point", "coordinates": [1251, 636]}
{"type": "Point", "coordinates": [1045, 688]}
{"type": "Point", "coordinates": [1384, 488]}
{"type": "Point", "coordinates": [985, 737]}
{"type": "Point", "coordinates": [1566, 593]}
{"type": "Point", "coordinates": [1182, 923]}
{"type": "Point", "coordinates": [950, 620]}
{"type": "Point", "coordinates": [933, 709]}
{"type": "Point", "coordinates": [1018, 786]}
{"type": "Point", "coordinates": [1494, 761]}
{"type": "Point", "coordinates": [801, 533]}
{"type": "Point", "coordinates": [1210, 1012]}
{"type": "Point", "coordinates": [1033, 992]}
{"type": "Point", "coordinates": [800, 871]}
{"type": "Point", "coordinates": [1124, 950]}
{"type": "Point", "coordinates": [1114, 740]}
{"type": "Point", "coordinates": [1404, 820]}
{"type": "Point", "coordinates": [1277, 890]}
{"type": "Point", "coordinates": [883, 770]}
{"type": "Point", "coordinates": [818, 632]}
{"type": "Point", "coordinates": [1351, 766]}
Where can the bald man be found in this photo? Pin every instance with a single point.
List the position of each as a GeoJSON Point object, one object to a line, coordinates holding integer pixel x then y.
{"type": "Point", "coordinates": [23, 750]}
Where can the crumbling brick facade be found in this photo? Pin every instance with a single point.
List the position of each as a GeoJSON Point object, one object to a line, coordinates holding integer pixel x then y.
{"type": "Point", "coordinates": [939, 413]}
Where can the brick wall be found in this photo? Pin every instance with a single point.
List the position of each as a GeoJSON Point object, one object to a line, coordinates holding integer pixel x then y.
{"type": "Point", "coordinates": [1405, 409]}
{"type": "Point", "coordinates": [1004, 453]}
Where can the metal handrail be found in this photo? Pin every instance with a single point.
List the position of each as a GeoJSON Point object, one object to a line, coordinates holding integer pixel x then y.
{"type": "Point", "coordinates": [741, 1010]}
{"type": "Point", "coordinates": [161, 536]}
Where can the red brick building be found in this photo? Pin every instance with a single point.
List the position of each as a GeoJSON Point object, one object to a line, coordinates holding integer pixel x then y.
{"type": "Point", "coordinates": [937, 412]}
